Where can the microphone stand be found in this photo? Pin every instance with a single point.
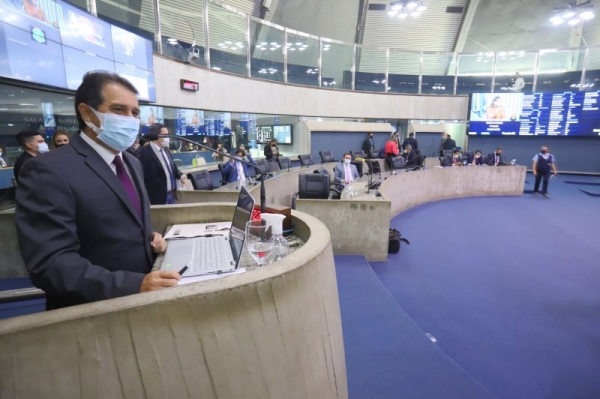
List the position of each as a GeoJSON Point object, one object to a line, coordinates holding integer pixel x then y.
{"type": "Point", "coordinates": [263, 200]}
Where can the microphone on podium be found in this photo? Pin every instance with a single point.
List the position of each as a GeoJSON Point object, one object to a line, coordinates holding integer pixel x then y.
{"type": "Point", "coordinates": [263, 200]}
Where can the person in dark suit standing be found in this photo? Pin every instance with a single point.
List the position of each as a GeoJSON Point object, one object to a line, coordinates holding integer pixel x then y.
{"type": "Point", "coordinates": [495, 158]}
{"type": "Point", "coordinates": [447, 144]}
{"type": "Point", "coordinates": [271, 151]}
{"type": "Point", "coordinates": [33, 144]}
{"type": "Point", "coordinates": [411, 141]}
{"type": "Point", "coordinates": [368, 146]}
{"type": "Point", "coordinates": [83, 215]}
{"type": "Point", "coordinates": [160, 172]}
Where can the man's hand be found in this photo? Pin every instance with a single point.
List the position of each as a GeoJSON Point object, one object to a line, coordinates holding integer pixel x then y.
{"type": "Point", "coordinates": [158, 243]}
{"type": "Point", "coordinates": [345, 181]}
{"type": "Point", "coordinates": [159, 280]}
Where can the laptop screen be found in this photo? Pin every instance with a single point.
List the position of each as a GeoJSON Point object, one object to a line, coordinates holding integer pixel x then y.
{"type": "Point", "coordinates": [242, 214]}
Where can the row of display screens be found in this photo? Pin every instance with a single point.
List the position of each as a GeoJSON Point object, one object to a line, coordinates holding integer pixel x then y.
{"type": "Point", "coordinates": [281, 133]}
{"type": "Point", "coordinates": [53, 43]}
{"type": "Point", "coordinates": [535, 114]}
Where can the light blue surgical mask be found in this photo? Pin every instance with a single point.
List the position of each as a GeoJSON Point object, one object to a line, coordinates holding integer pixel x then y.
{"type": "Point", "coordinates": [347, 161]}
{"type": "Point", "coordinates": [116, 131]}
{"type": "Point", "coordinates": [43, 147]}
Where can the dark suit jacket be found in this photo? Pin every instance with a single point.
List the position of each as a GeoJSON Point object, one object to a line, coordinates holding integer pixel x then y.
{"type": "Point", "coordinates": [411, 159]}
{"type": "Point", "coordinates": [79, 234]}
{"type": "Point", "coordinates": [19, 163]}
{"type": "Point", "coordinates": [491, 159]}
{"type": "Point", "coordinates": [231, 171]}
{"type": "Point", "coordinates": [367, 148]}
{"type": "Point", "coordinates": [155, 176]}
{"type": "Point", "coordinates": [268, 151]}
{"type": "Point", "coordinates": [448, 144]}
{"type": "Point", "coordinates": [478, 161]}
{"type": "Point", "coordinates": [412, 141]}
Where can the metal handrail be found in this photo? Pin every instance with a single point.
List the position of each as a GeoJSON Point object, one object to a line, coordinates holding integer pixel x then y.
{"type": "Point", "coordinates": [22, 294]}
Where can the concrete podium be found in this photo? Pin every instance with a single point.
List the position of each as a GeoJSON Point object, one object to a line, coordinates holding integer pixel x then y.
{"type": "Point", "coordinates": [273, 332]}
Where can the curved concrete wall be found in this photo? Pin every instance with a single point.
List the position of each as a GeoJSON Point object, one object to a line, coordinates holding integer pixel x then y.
{"type": "Point", "coordinates": [221, 91]}
{"type": "Point", "coordinates": [407, 190]}
{"type": "Point", "coordinates": [273, 332]}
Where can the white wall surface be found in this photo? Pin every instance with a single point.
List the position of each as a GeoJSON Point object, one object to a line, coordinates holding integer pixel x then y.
{"type": "Point", "coordinates": [225, 92]}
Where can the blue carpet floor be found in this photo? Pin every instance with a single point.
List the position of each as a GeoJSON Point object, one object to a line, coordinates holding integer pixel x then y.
{"type": "Point", "coordinates": [509, 287]}
{"type": "Point", "coordinates": [387, 354]}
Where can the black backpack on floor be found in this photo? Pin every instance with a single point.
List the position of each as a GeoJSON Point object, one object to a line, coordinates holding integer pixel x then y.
{"type": "Point", "coordinates": [394, 243]}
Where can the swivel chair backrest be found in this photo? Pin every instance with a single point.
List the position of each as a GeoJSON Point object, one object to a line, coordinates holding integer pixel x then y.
{"type": "Point", "coordinates": [313, 186]}
{"type": "Point", "coordinates": [201, 180]}
{"type": "Point", "coordinates": [326, 156]}
{"type": "Point", "coordinates": [305, 160]}
{"type": "Point", "coordinates": [284, 163]}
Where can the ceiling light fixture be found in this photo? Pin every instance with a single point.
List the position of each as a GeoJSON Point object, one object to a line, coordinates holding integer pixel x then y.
{"type": "Point", "coordinates": [573, 13]}
{"type": "Point", "coordinates": [404, 8]}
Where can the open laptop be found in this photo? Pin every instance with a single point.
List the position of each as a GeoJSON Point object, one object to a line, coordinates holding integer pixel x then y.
{"type": "Point", "coordinates": [212, 255]}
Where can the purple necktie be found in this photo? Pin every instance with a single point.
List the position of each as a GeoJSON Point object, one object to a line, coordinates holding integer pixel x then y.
{"type": "Point", "coordinates": [127, 184]}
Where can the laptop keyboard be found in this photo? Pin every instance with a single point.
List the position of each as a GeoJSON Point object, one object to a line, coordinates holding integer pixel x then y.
{"type": "Point", "coordinates": [208, 253]}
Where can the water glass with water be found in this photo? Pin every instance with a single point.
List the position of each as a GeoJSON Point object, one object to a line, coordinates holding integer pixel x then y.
{"type": "Point", "coordinates": [259, 241]}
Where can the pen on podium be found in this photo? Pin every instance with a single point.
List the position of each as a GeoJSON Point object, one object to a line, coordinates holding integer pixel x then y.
{"type": "Point", "coordinates": [184, 268]}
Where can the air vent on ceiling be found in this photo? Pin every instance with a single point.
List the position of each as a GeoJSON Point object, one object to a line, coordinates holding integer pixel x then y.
{"type": "Point", "coordinates": [455, 10]}
{"type": "Point", "coordinates": [377, 7]}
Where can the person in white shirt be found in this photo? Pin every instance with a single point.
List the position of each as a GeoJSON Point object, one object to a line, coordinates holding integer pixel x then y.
{"type": "Point", "coordinates": [518, 84]}
{"type": "Point", "coordinates": [543, 163]}
{"type": "Point", "coordinates": [344, 171]}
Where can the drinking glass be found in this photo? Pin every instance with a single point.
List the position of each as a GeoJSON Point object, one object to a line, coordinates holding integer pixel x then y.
{"type": "Point", "coordinates": [259, 241]}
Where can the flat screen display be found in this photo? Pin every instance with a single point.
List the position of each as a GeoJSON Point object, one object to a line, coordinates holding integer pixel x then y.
{"type": "Point", "coordinates": [141, 79]}
{"type": "Point", "coordinates": [264, 134]}
{"type": "Point", "coordinates": [132, 49]}
{"type": "Point", "coordinates": [81, 31]}
{"type": "Point", "coordinates": [53, 43]}
{"type": "Point", "coordinates": [151, 114]}
{"type": "Point", "coordinates": [283, 134]}
{"type": "Point", "coordinates": [30, 56]}
{"type": "Point", "coordinates": [78, 63]}
{"type": "Point", "coordinates": [543, 114]}
{"type": "Point", "coordinates": [496, 107]}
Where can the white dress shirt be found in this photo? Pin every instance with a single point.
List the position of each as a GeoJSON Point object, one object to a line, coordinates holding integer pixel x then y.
{"type": "Point", "coordinates": [348, 173]}
{"type": "Point", "coordinates": [167, 168]}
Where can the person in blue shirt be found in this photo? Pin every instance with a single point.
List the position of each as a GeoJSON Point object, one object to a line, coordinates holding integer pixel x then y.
{"type": "Point", "coordinates": [237, 171]}
{"type": "Point", "coordinates": [543, 163]}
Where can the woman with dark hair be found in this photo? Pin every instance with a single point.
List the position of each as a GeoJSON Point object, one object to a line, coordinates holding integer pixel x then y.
{"type": "Point", "coordinates": [60, 138]}
{"type": "Point", "coordinates": [495, 110]}
{"type": "Point", "coordinates": [271, 151]}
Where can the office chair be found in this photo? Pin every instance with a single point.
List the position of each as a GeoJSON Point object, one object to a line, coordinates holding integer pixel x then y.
{"type": "Point", "coordinates": [373, 167]}
{"type": "Point", "coordinates": [358, 154]}
{"type": "Point", "coordinates": [284, 163]}
{"type": "Point", "coordinates": [313, 186]}
{"type": "Point", "coordinates": [263, 165]}
{"type": "Point", "coordinates": [178, 162]}
{"type": "Point", "coordinates": [201, 180]}
{"type": "Point", "coordinates": [420, 162]}
{"type": "Point", "coordinates": [397, 163]}
{"type": "Point", "coordinates": [326, 156]}
{"type": "Point", "coordinates": [306, 160]}
{"type": "Point", "coordinates": [448, 153]}
{"type": "Point", "coordinates": [273, 167]}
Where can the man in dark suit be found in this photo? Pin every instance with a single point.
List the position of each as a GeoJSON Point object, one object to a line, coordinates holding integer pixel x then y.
{"type": "Point", "coordinates": [83, 215]}
{"type": "Point", "coordinates": [447, 144]}
{"type": "Point", "coordinates": [368, 146]}
{"type": "Point", "coordinates": [495, 158]}
{"type": "Point", "coordinates": [411, 157]}
{"type": "Point", "coordinates": [476, 158]}
{"type": "Point", "coordinates": [33, 144]}
{"type": "Point", "coordinates": [411, 141]}
{"type": "Point", "coordinates": [160, 172]}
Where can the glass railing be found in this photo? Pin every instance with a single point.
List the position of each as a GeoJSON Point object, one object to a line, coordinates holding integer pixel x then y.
{"type": "Point", "coordinates": [213, 34]}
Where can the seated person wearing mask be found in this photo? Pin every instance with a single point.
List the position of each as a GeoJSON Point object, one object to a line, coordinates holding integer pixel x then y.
{"type": "Point", "coordinates": [411, 156]}
{"type": "Point", "coordinates": [495, 158]}
{"type": "Point", "coordinates": [476, 158]}
{"type": "Point", "coordinates": [344, 172]}
{"type": "Point", "coordinates": [33, 144]}
{"type": "Point", "coordinates": [237, 171]}
{"type": "Point", "coordinates": [457, 158]}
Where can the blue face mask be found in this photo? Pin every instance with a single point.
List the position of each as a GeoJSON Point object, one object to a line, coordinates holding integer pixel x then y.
{"type": "Point", "coordinates": [116, 131]}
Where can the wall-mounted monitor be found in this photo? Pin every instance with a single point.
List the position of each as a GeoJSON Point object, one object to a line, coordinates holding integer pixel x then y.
{"type": "Point", "coordinates": [264, 134]}
{"type": "Point", "coordinates": [540, 114]}
{"type": "Point", "coordinates": [283, 134]}
{"type": "Point", "coordinates": [54, 43]}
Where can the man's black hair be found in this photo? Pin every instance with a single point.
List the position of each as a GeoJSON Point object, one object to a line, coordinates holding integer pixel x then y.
{"type": "Point", "coordinates": [411, 134]}
{"type": "Point", "coordinates": [90, 90]}
{"type": "Point", "coordinates": [155, 128]}
{"type": "Point", "coordinates": [26, 136]}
